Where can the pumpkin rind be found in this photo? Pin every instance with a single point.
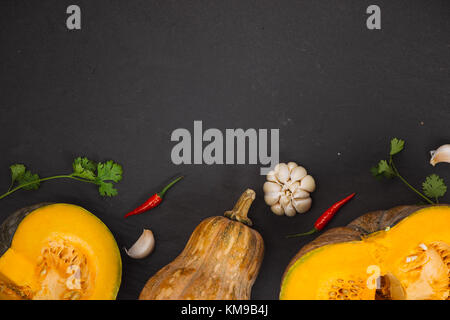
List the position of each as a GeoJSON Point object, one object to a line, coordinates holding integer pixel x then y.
{"type": "Point", "coordinates": [220, 261]}
{"type": "Point", "coordinates": [9, 226]}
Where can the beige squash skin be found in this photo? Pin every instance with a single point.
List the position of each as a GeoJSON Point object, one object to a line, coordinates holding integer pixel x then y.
{"type": "Point", "coordinates": [220, 261]}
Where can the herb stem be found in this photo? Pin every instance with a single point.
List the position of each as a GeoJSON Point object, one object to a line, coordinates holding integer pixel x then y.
{"type": "Point", "coordinates": [407, 184]}
{"type": "Point", "coordinates": [10, 186]}
{"type": "Point", "coordinates": [66, 176]}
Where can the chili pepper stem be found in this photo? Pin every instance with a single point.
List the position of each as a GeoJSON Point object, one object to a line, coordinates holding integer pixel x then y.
{"type": "Point", "coordinates": [303, 234]}
{"type": "Point", "coordinates": [163, 191]}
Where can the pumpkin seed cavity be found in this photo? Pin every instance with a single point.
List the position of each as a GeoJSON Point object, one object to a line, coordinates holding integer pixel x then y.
{"type": "Point", "coordinates": [341, 289]}
{"type": "Point", "coordinates": [425, 272]}
{"type": "Point", "coordinates": [63, 272]}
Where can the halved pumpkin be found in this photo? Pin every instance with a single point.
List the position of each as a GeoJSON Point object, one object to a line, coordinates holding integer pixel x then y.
{"type": "Point", "coordinates": [57, 251]}
{"type": "Point", "coordinates": [397, 254]}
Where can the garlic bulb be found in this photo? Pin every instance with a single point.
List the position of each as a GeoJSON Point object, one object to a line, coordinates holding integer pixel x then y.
{"type": "Point", "coordinates": [442, 154]}
{"type": "Point", "coordinates": [287, 189]}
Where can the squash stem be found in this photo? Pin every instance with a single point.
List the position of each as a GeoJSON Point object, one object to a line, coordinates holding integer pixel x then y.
{"type": "Point", "coordinates": [240, 210]}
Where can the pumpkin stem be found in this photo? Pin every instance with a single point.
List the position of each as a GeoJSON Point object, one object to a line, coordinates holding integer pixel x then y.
{"type": "Point", "coordinates": [240, 210]}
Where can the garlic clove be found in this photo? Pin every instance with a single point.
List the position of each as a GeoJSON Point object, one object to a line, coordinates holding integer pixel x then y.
{"type": "Point", "coordinates": [299, 193]}
{"type": "Point", "coordinates": [298, 173]}
{"type": "Point", "coordinates": [308, 183]}
{"type": "Point", "coordinates": [282, 172]}
{"type": "Point", "coordinates": [277, 209]}
{"type": "Point", "coordinates": [442, 154]}
{"type": "Point", "coordinates": [271, 198]}
{"type": "Point", "coordinates": [271, 187]}
{"type": "Point", "coordinates": [284, 201]}
{"type": "Point", "coordinates": [277, 167]}
{"type": "Point", "coordinates": [289, 210]}
{"type": "Point", "coordinates": [302, 205]}
{"type": "Point", "coordinates": [271, 176]}
{"type": "Point", "coordinates": [292, 165]}
{"type": "Point", "coordinates": [294, 186]}
{"type": "Point", "coordinates": [143, 246]}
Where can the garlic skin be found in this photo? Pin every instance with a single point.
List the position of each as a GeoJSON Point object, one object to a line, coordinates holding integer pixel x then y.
{"type": "Point", "coordinates": [441, 154]}
{"type": "Point", "coordinates": [143, 246]}
{"type": "Point", "coordinates": [288, 188]}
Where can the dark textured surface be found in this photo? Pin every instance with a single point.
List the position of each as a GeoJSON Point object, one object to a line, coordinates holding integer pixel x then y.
{"type": "Point", "coordinates": [140, 69]}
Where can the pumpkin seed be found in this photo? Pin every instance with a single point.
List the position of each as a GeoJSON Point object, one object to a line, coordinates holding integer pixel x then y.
{"type": "Point", "coordinates": [76, 296]}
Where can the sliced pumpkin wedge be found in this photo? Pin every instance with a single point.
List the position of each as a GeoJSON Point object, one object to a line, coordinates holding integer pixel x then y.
{"type": "Point", "coordinates": [58, 251]}
{"type": "Point", "coordinates": [401, 253]}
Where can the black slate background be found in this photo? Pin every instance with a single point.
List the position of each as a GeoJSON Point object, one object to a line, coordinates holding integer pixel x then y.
{"type": "Point", "coordinates": [140, 69]}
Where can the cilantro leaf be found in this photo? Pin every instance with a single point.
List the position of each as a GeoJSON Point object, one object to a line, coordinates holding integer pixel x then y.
{"type": "Point", "coordinates": [84, 168]}
{"type": "Point", "coordinates": [23, 177]}
{"type": "Point", "coordinates": [374, 171]}
{"type": "Point", "coordinates": [85, 163]}
{"type": "Point", "coordinates": [101, 174]}
{"type": "Point", "coordinates": [434, 186]}
{"type": "Point", "coordinates": [107, 189]}
{"type": "Point", "coordinates": [397, 145]}
{"type": "Point", "coordinates": [26, 180]}
{"type": "Point", "coordinates": [17, 171]}
{"type": "Point", "coordinates": [109, 171]}
{"type": "Point", "coordinates": [385, 169]}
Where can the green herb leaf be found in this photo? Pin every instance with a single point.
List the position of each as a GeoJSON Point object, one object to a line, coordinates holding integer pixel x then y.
{"type": "Point", "coordinates": [397, 145]}
{"type": "Point", "coordinates": [17, 171]}
{"type": "Point", "coordinates": [26, 180]}
{"type": "Point", "coordinates": [374, 172]}
{"type": "Point", "coordinates": [434, 186]}
{"type": "Point", "coordinates": [85, 163]}
{"type": "Point", "coordinates": [107, 189]}
{"type": "Point", "coordinates": [385, 169]}
{"type": "Point", "coordinates": [109, 171]}
{"type": "Point", "coordinates": [84, 168]}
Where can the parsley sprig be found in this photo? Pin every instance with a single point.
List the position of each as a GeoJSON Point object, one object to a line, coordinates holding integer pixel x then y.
{"type": "Point", "coordinates": [433, 188]}
{"type": "Point", "coordinates": [104, 175]}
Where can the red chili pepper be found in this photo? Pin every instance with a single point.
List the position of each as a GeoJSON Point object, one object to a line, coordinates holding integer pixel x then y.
{"type": "Point", "coordinates": [325, 217]}
{"type": "Point", "coordinates": [153, 201]}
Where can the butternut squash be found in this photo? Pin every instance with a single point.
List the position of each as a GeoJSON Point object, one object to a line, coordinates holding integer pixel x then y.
{"type": "Point", "coordinates": [57, 251]}
{"type": "Point", "coordinates": [220, 261]}
{"type": "Point", "coordinates": [397, 254]}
